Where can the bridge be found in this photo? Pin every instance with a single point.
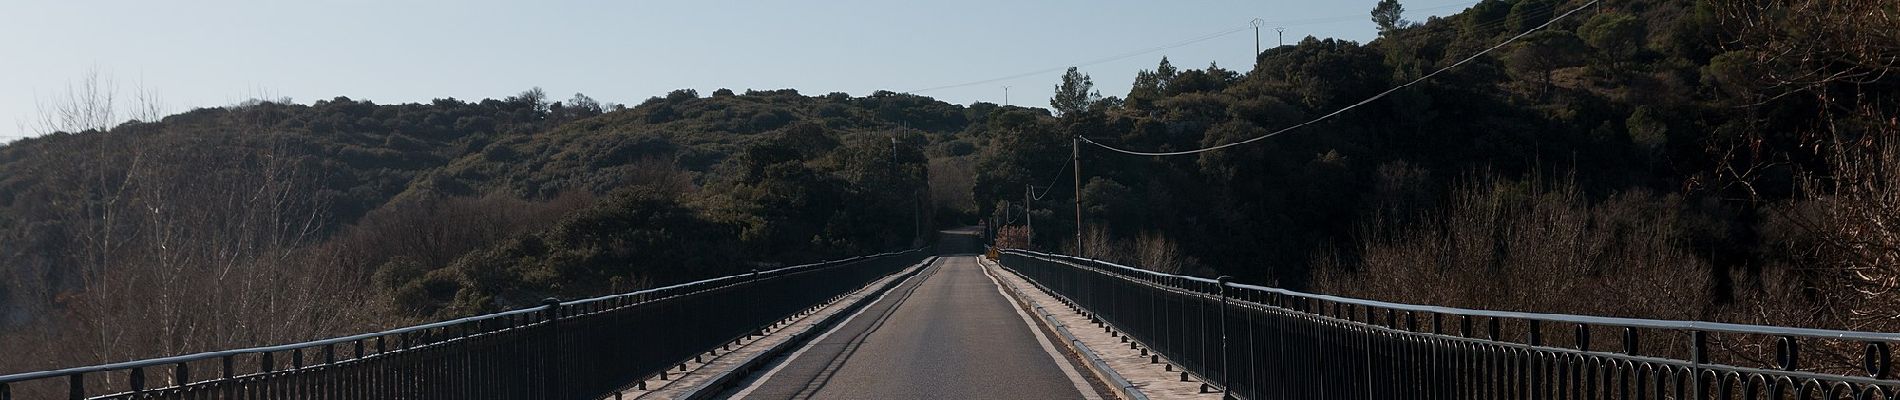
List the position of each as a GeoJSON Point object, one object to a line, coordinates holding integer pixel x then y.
{"type": "Point", "coordinates": [944, 322]}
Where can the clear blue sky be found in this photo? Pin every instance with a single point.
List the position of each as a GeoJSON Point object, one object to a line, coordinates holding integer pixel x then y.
{"type": "Point", "coordinates": [214, 53]}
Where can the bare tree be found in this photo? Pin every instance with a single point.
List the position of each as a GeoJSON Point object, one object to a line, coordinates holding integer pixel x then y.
{"type": "Point", "coordinates": [90, 104]}
{"type": "Point", "coordinates": [1841, 240]}
{"type": "Point", "coordinates": [1835, 245]}
{"type": "Point", "coordinates": [1530, 246]}
{"type": "Point", "coordinates": [1808, 44]}
{"type": "Point", "coordinates": [1155, 252]}
{"type": "Point", "coordinates": [1832, 56]}
{"type": "Point", "coordinates": [173, 243]}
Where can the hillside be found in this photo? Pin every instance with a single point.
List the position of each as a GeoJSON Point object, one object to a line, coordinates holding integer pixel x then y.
{"type": "Point", "coordinates": [1708, 160]}
{"type": "Point", "coordinates": [419, 211]}
{"type": "Point", "coordinates": [1689, 159]}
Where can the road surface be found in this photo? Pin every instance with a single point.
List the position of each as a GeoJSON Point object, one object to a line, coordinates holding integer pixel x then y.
{"type": "Point", "coordinates": [946, 334]}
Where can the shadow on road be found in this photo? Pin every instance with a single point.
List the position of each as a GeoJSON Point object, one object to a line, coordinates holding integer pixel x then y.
{"type": "Point", "coordinates": [963, 241]}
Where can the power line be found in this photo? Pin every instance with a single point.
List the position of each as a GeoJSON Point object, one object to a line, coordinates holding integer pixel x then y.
{"type": "Point", "coordinates": [1354, 105]}
{"type": "Point", "coordinates": [1052, 181]}
{"type": "Point", "coordinates": [1198, 39]}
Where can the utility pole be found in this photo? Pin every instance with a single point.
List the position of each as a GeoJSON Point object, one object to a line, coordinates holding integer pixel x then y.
{"type": "Point", "coordinates": [1075, 152]}
{"type": "Point", "coordinates": [916, 200]}
{"type": "Point", "coordinates": [1029, 227]}
{"type": "Point", "coordinates": [917, 211]}
{"type": "Point", "coordinates": [894, 169]}
{"type": "Point", "coordinates": [1006, 96]}
{"type": "Point", "coordinates": [1256, 37]}
{"type": "Point", "coordinates": [1282, 31]}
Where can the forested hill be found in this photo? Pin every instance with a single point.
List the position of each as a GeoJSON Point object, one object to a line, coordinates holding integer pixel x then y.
{"type": "Point", "coordinates": [269, 211]}
{"type": "Point", "coordinates": [1713, 160]}
{"type": "Point", "coordinates": [1692, 159]}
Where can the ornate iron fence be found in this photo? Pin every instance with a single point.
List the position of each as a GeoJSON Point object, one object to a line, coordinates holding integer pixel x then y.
{"type": "Point", "coordinates": [1256, 342]}
{"type": "Point", "coordinates": [562, 350]}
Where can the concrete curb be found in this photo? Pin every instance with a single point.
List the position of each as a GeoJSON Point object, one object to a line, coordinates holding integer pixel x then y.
{"type": "Point", "coordinates": [725, 379]}
{"type": "Point", "coordinates": [1095, 364]}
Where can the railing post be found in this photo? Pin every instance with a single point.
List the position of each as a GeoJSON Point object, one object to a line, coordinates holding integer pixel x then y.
{"type": "Point", "coordinates": [1533, 366]}
{"type": "Point", "coordinates": [1699, 353]}
{"type": "Point", "coordinates": [1226, 368]}
{"type": "Point", "coordinates": [76, 386]}
{"type": "Point", "coordinates": [551, 388]}
{"type": "Point", "coordinates": [227, 364]}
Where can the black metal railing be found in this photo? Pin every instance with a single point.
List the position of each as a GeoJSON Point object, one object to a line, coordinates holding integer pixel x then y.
{"type": "Point", "coordinates": [582, 349]}
{"type": "Point", "coordinates": [1256, 342]}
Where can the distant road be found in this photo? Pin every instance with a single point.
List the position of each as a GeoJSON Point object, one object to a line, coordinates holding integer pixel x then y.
{"type": "Point", "coordinates": [946, 334]}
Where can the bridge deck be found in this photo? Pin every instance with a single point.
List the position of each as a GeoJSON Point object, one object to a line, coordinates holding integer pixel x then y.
{"type": "Point", "coordinates": [949, 333]}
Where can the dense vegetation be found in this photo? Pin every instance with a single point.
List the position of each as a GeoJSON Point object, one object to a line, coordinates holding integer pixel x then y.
{"type": "Point", "coordinates": [300, 221]}
{"type": "Point", "coordinates": [1687, 159]}
{"type": "Point", "coordinates": [1672, 159]}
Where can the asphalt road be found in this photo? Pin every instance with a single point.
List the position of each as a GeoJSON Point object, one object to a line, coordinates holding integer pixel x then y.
{"type": "Point", "coordinates": [945, 334]}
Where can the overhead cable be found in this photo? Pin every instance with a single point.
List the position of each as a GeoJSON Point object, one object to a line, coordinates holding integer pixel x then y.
{"type": "Point", "coordinates": [1197, 39]}
{"type": "Point", "coordinates": [1349, 107]}
{"type": "Point", "coordinates": [1052, 181]}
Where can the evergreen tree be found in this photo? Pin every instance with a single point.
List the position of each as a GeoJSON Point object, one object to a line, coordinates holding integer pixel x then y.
{"type": "Point", "coordinates": [1075, 95]}
{"type": "Point", "coordinates": [1389, 15]}
{"type": "Point", "coordinates": [1616, 36]}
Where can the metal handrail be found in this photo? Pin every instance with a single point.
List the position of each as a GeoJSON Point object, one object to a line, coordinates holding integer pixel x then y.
{"type": "Point", "coordinates": [152, 362]}
{"type": "Point", "coordinates": [586, 306]}
{"type": "Point", "coordinates": [1253, 341]}
{"type": "Point", "coordinates": [1767, 330]}
{"type": "Point", "coordinates": [718, 279]}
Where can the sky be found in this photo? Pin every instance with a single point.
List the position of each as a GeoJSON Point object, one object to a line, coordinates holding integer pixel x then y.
{"type": "Point", "coordinates": [193, 54]}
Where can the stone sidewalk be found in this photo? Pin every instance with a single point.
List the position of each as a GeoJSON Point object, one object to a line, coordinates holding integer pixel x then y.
{"type": "Point", "coordinates": [1154, 380]}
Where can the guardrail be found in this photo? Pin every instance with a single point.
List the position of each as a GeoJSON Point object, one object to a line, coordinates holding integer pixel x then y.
{"type": "Point", "coordinates": [1256, 342]}
{"type": "Point", "coordinates": [582, 349]}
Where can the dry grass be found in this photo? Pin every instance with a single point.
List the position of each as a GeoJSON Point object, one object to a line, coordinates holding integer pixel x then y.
{"type": "Point", "coordinates": [1147, 250]}
{"type": "Point", "coordinates": [1531, 246]}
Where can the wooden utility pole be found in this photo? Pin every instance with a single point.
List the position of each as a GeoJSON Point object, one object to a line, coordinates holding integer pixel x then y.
{"type": "Point", "coordinates": [916, 199]}
{"type": "Point", "coordinates": [1075, 152]}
